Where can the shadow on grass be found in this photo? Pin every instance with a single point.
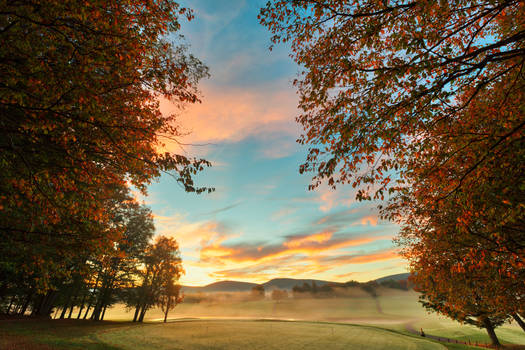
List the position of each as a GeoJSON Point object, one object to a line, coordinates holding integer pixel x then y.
{"type": "Point", "coordinates": [39, 334]}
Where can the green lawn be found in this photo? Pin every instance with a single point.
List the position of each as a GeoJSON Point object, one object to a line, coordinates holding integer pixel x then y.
{"type": "Point", "coordinates": [359, 322]}
{"type": "Point", "coordinates": [208, 334]}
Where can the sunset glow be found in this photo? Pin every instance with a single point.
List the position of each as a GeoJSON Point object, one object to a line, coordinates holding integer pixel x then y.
{"type": "Point", "coordinates": [261, 222]}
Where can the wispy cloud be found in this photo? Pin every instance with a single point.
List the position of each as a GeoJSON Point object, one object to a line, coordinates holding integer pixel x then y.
{"type": "Point", "coordinates": [230, 114]}
{"type": "Point", "coordinates": [221, 252]}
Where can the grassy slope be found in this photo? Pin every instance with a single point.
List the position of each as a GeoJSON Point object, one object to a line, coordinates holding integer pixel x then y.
{"type": "Point", "coordinates": [209, 334]}
{"type": "Point", "coordinates": [393, 310]}
{"type": "Point", "coordinates": [377, 324]}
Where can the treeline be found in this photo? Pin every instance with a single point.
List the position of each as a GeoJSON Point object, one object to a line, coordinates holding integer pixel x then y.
{"type": "Point", "coordinates": [334, 290]}
{"type": "Point", "coordinates": [79, 123]}
{"type": "Point", "coordinates": [136, 271]}
{"type": "Point", "coordinates": [419, 104]}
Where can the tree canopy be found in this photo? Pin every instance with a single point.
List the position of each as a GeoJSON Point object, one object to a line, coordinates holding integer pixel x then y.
{"type": "Point", "coordinates": [79, 104]}
{"type": "Point", "coordinates": [422, 102]}
{"type": "Point", "coordinates": [378, 75]}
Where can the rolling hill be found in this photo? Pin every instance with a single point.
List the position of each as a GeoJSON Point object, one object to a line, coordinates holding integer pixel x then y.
{"type": "Point", "coordinates": [276, 283]}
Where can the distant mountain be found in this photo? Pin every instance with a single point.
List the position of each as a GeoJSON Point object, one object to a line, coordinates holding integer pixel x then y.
{"type": "Point", "coordinates": [289, 283]}
{"type": "Point", "coordinates": [276, 283]}
{"type": "Point", "coordinates": [236, 286]}
{"type": "Point", "coordinates": [397, 277]}
{"type": "Point", "coordinates": [222, 286]}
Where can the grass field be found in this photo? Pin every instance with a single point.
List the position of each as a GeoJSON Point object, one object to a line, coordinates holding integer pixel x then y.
{"type": "Point", "coordinates": [359, 322]}
{"type": "Point", "coordinates": [204, 334]}
{"type": "Point", "coordinates": [393, 309]}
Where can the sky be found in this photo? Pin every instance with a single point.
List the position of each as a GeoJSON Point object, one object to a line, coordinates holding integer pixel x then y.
{"type": "Point", "coordinates": [261, 222]}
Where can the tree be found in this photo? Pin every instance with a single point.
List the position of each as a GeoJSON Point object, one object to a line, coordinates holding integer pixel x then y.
{"type": "Point", "coordinates": [378, 75]}
{"type": "Point", "coordinates": [162, 267]}
{"type": "Point", "coordinates": [279, 295]}
{"type": "Point", "coordinates": [118, 267]}
{"type": "Point", "coordinates": [450, 287]}
{"type": "Point", "coordinates": [79, 105]}
{"type": "Point", "coordinates": [258, 292]}
{"type": "Point", "coordinates": [423, 102]}
{"type": "Point", "coordinates": [170, 296]}
{"type": "Point", "coordinates": [478, 217]}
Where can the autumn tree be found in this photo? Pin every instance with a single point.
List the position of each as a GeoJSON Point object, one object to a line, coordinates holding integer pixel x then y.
{"type": "Point", "coordinates": [257, 292]}
{"type": "Point", "coordinates": [450, 287]}
{"type": "Point", "coordinates": [378, 75]}
{"type": "Point", "coordinates": [162, 267]}
{"type": "Point", "coordinates": [170, 295]}
{"type": "Point", "coordinates": [79, 104]}
{"type": "Point", "coordinates": [279, 295]}
{"type": "Point", "coordinates": [421, 102]}
{"type": "Point", "coordinates": [118, 267]}
{"type": "Point", "coordinates": [482, 220]}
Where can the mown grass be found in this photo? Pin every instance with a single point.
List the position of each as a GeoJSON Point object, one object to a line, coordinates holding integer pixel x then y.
{"type": "Point", "coordinates": [360, 322]}
{"type": "Point", "coordinates": [208, 334]}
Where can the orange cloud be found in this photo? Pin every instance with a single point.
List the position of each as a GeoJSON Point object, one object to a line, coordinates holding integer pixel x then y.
{"type": "Point", "coordinates": [370, 220]}
{"type": "Point", "coordinates": [231, 114]}
{"type": "Point", "coordinates": [218, 253]}
{"type": "Point", "coordinates": [317, 238]}
{"type": "Point", "coordinates": [377, 256]}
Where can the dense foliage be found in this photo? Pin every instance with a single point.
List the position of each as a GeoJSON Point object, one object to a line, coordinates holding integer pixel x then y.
{"type": "Point", "coordinates": [422, 102]}
{"type": "Point", "coordinates": [80, 85]}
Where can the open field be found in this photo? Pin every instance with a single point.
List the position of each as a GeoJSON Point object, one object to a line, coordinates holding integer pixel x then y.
{"type": "Point", "coordinates": [392, 309]}
{"type": "Point", "coordinates": [204, 334]}
{"type": "Point", "coordinates": [232, 322]}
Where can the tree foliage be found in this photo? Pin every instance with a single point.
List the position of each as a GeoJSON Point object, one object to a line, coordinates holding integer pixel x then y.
{"type": "Point", "coordinates": [79, 115]}
{"type": "Point", "coordinates": [378, 75]}
{"type": "Point", "coordinates": [422, 102]}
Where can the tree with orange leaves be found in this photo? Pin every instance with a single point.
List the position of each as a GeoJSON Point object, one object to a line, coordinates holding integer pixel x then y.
{"type": "Point", "coordinates": [422, 102]}
{"type": "Point", "coordinates": [80, 83]}
{"type": "Point", "coordinates": [469, 230]}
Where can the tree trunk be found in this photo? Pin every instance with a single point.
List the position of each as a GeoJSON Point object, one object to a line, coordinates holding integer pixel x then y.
{"type": "Point", "coordinates": [63, 313]}
{"type": "Point", "coordinates": [8, 311]}
{"type": "Point", "coordinates": [26, 304]}
{"type": "Point", "coordinates": [81, 306]}
{"type": "Point", "coordinates": [49, 304]}
{"type": "Point", "coordinates": [519, 321]}
{"type": "Point", "coordinates": [103, 312]}
{"type": "Point", "coordinates": [490, 330]}
{"type": "Point", "coordinates": [87, 311]}
{"type": "Point", "coordinates": [74, 299]}
{"type": "Point", "coordinates": [143, 312]}
{"type": "Point", "coordinates": [168, 305]}
{"type": "Point", "coordinates": [136, 313]}
{"type": "Point", "coordinates": [71, 309]}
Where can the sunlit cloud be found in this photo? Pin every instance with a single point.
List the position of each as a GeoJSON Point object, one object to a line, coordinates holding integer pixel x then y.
{"type": "Point", "coordinates": [282, 213]}
{"type": "Point", "coordinates": [220, 252]}
{"type": "Point", "coordinates": [387, 254]}
{"type": "Point", "coordinates": [230, 114]}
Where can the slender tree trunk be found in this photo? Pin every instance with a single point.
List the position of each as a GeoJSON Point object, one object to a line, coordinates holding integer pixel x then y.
{"type": "Point", "coordinates": [490, 330]}
{"type": "Point", "coordinates": [519, 321]}
{"type": "Point", "coordinates": [136, 313]}
{"type": "Point", "coordinates": [74, 299]}
{"type": "Point", "coordinates": [143, 311]}
{"type": "Point", "coordinates": [168, 305]}
{"type": "Point", "coordinates": [103, 312]}
{"type": "Point", "coordinates": [81, 305]}
{"type": "Point", "coordinates": [63, 313]}
{"type": "Point", "coordinates": [8, 311]}
{"type": "Point", "coordinates": [26, 304]}
{"type": "Point", "coordinates": [71, 310]}
{"type": "Point", "coordinates": [87, 311]}
{"type": "Point", "coordinates": [16, 310]}
{"type": "Point", "coordinates": [49, 304]}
